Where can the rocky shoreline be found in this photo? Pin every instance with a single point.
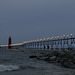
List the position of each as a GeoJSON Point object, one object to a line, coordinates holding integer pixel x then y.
{"type": "Point", "coordinates": [65, 58]}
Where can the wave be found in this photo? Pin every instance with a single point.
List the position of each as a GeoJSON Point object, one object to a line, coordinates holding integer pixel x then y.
{"type": "Point", "coordinates": [27, 67]}
{"type": "Point", "coordinates": [8, 68]}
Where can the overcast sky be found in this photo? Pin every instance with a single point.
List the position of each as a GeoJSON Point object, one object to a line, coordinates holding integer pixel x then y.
{"type": "Point", "coordinates": [35, 19]}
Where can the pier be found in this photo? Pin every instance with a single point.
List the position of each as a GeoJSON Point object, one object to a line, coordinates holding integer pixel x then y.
{"type": "Point", "coordinates": [59, 42]}
{"type": "Point", "coordinates": [62, 42]}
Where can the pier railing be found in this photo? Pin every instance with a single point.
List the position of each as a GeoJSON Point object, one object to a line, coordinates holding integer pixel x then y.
{"type": "Point", "coordinates": [62, 42]}
{"type": "Point", "coordinates": [59, 42]}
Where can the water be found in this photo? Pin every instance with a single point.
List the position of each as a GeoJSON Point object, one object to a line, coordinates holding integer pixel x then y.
{"type": "Point", "coordinates": [17, 62]}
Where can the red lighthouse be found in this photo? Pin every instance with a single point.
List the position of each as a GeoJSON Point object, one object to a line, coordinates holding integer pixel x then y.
{"type": "Point", "coordinates": [9, 43]}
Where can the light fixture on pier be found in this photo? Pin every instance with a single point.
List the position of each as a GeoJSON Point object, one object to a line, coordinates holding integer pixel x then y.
{"type": "Point", "coordinates": [58, 37]}
{"type": "Point", "coordinates": [61, 36]}
{"type": "Point", "coordinates": [40, 39]}
{"type": "Point", "coordinates": [44, 39]}
{"type": "Point", "coordinates": [47, 38]}
{"type": "Point", "coordinates": [30, 41]}
{"type": "Point", "coordinates": [71, 35]}
{"type": "Point", "coordinates": [35, 40]}
{"type": "Point", "coordinates": [67, 36]}
{"type": "Point", "coordinates": [25, 42]}
{"type": "Point", "coordinates": [51, 38]}
{"type": "Point", "coordinates": [55, 37]}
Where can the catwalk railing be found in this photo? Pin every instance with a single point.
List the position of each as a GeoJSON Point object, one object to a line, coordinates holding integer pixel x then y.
{"type": "Point", "coordinates": [64, 42]}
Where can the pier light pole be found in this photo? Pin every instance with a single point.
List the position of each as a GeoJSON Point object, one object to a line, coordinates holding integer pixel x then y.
{"type": "Point", "coordinates": [35, 44]}
{"type": "Point", "coordinates": [31, 44]}
{"type": "Point", "coordinates": [71, 41]}
{"type": "Point", "coordinates": [28, 44]}
{"type": "Point", "coordinates": [47, 38]}
{"type": "Point", "coordinates": [71, 35]}
{"type": "Point", "coordinates": [44, 42]}
{"type": "Point", "coordinates": [52, 42]}
{"type": "Point", "coordinates": [58, 42]}
{"type": "Point", "coordinates": [61, 42]}
{"type": "Point", "coordinates": [64, 36]}
{"type": "Point", "coordinates": [47, 43]}
{"type": "Point", "coordinates": [64, 42]}
{"type": "Point", "coordinates": [68, 41]}
{"type": "Point", "coordinates": [55, 42]}
{"type": "Point", "coordinates": [25, 44]}
{"type": "Point", "coordinates": [40, 43]}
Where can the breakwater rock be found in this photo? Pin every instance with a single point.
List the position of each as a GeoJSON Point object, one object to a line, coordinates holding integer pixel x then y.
{"type": "Point", "coordinates": [64, 57]}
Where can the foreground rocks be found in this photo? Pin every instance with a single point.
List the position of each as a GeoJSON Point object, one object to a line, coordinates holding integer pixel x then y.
{"type": "Point", "coordinates": [32, 56]}
{"type": "Point", "coordinates": [65, 58]}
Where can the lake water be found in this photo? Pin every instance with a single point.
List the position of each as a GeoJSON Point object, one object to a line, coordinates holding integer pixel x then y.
{"type": "Point", "coordinates": [17, 62]}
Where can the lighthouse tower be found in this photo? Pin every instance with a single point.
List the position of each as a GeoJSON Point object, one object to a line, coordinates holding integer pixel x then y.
{"type": "Point", "coordinates": [9, 43]}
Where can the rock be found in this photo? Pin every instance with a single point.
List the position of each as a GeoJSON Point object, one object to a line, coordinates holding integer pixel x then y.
{"type": "Point", "coordinates": [22, 51]}
{"type": "Point", "coordinates": [73, 54]}
{"type": "Point", "coordinates": [53, 58]}
{"type": "Point", "coordinates": [65, 58]}
{"type": "Point", "coordinates": [73, 60]}
{"type": "Point", "coordinates": [68, 64]}
{"type": "Point", "coordinates": [47, 55]}
{"type": "Point", "coordinates": [47, 59]}
{"type": "Point", "coordinates": [56, 53]}
{"type": "Point", "coordinates": [32, 56]}
{"type": "Point", "coordinates": [42, 53]}
{"type": "Point", "coordinates": [42, 57]}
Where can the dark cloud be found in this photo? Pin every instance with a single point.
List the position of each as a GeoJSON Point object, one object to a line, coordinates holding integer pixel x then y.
{"type": "Point", "coordinates": [35, 19]}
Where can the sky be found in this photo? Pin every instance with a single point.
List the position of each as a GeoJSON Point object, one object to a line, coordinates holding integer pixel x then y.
{"type": "Point", "coordinates": [26, 20]}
